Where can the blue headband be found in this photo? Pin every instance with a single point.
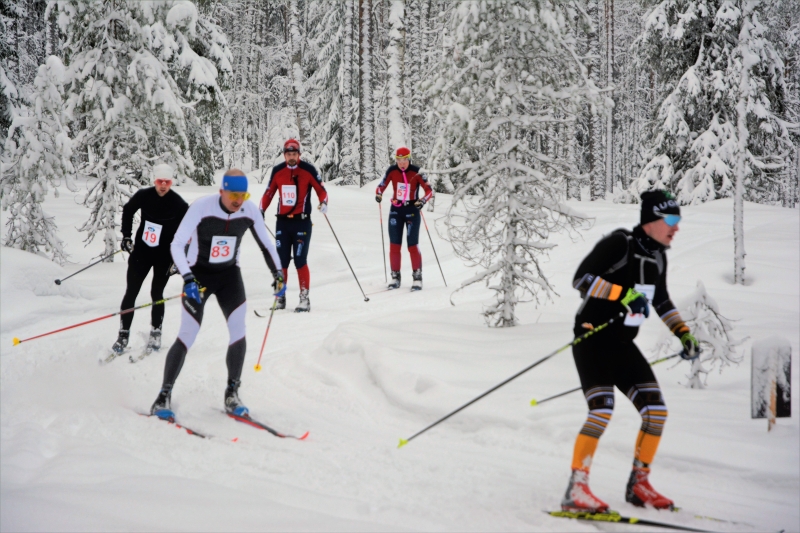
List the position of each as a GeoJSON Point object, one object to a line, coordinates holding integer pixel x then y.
{"type": "Point", "coordinates": [234, 183]}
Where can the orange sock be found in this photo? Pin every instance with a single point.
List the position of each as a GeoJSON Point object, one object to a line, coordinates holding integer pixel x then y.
{"type": "Point", "coordinates": [585, 447]}
{"type": "Point", "coordinates": [646, 446]}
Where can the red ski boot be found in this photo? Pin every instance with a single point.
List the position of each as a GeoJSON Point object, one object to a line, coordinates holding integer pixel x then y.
{"type": "Point", "coordinates": [579, 497]}
{"type": "Point", "coordinates": [641, 493]}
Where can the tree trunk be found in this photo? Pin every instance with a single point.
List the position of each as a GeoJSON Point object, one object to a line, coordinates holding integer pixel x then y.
{"type": "Point", "coordinates": [366, 116]}
{"type": "Point", "coordinates": [609, 83]}
{"type": "Point", "coordinates": [738, 195]}
{"type": "Point", "coordinates": [395, 75]}
{"type": "Point", "coordinates": [298, 85]}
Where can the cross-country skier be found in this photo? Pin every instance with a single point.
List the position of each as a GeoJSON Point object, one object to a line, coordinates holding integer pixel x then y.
{"type": "Point", "coordinates": [293, 180]}
{"type": "Point", "coordinates": [406, 179]}
{"type": "Point", "coordinates": [626, 271]}
{"type": "Point", "coordinates": [213, 228]}
{"type": "Point", "coordinates": [161, 211]}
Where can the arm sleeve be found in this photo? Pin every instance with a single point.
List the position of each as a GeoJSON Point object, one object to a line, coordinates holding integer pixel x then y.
{"type": "Point", "coordinates": [185, 231]}
{"type": "Point", "coordinates": [665, 308]}
{"type": "Point", "coordinates": [316, 182]}
{"type": "Point", "coordinates": [269, 193]}
{"type": "Point", "coordinates": [605, 255]}
{"type": "Point", "coordinates": [128, 210]}
{"type": "Point", "coordinates": [384, 182]}
{"type": "Point", "coordinates": [259, 232]}
{"type": "Point", "coordinates": [423, 180]}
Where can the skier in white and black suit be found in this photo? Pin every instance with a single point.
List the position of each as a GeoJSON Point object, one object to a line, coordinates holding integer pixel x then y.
{"type": "Point", "coordinates": [162, 210]}
{"type": "Point", "coordinates": [213, 229]}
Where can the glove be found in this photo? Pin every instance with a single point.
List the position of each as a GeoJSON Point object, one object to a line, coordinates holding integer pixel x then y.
{"type": "Point", "coordinates": [691, 348]}
{"type": "Point", "coordinates": [323, 207]}
{"type": "Point", "coordinates": [636, 303]}
{"type": "Point", "coordinates": [279, 285]}
{"type": "Point", "coordinates": [191, 289]}
{"type": "Point", "coordinates": [378, 198]}
{"type": "Point", "coordinates": [172, 270]}
{"type": "Point", "coordinates": [127, 245]}
{"type": "Point", "coordinates": [419, 203]}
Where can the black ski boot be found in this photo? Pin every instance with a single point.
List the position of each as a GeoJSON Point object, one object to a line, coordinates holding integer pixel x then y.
{"type": "Point", "coordinates": [281, 303]}
{"type": "Point", "coordinates": [416, 285]}
{"type": "Point", "coordinates": [305, 304]}
{"type": "Point", "coordinates": [162, 406]}
{"type": "Point", "coordinates": [154, 342]}
{"type": "Point", "coordinates": [395, 284]}
{"type": "Point", "coordinates": [122, 342]}
{"type": "Point", "coordinates": [233, 405]}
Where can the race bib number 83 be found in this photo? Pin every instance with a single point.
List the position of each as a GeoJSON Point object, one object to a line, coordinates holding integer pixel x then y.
{"type": "Point", "coordinates": [222, 249]}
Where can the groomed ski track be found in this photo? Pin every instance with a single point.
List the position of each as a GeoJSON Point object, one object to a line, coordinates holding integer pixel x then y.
{"type": "Point", "coordinates": [359, 375]}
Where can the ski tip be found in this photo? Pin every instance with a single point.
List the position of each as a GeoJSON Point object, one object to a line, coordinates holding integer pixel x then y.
{"type": "Point", "coordinates": [257, 368]}
{"type": "Point", "coordinates": [534, 403]}
{"type": "Point", "coordinates": [16, 341]}
{"type": "Point", "coordinates": [303, 437]}
{"type": "Point", "coordinates": [403, 442]}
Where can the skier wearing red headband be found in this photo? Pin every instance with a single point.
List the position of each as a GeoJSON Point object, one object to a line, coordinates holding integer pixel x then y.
{"type": "Point", "coordinates": [406, 179]}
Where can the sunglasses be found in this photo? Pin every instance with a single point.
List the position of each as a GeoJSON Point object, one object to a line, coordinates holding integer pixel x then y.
{"type": "Point", "coordinates": [161, 182]}
{"type": "Point", "coordinates": [672, 220]}
{"type": "Point", "coordinates": [238, 196]}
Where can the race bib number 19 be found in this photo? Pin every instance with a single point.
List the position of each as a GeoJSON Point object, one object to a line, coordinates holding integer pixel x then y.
{"type": "Point", "coordinates": [152, 233]}
{"type": "Point", "coordinates": [289, 194]}
{"type": "Point", "coordinates": [222, 249]}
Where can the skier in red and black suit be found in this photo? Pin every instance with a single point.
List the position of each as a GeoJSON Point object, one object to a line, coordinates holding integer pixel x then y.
{"type": "Point", "coordinates": [292, 181]}
{"type": "Point", "coordinates": [626, 271]}
{"type": "Point", "coordinates": [406, 180]}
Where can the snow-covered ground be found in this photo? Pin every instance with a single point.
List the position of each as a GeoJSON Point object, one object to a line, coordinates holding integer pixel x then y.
{"type": "Point", "coordinates": [360, 375]}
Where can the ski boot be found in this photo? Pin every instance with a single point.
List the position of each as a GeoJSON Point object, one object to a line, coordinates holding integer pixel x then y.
{"type": "Point", "coordinates": [233, 405]}
{"type": "Point", "coordinates": [305, 304]}
{"type": "Point", "coordinates": [122, 342]}
{"type": "Point", "coordinates": [579, 497]}
{"type": "Point", "coordinates": [640, 493]}
{"type": "Point", "coordinates": [281, 303]}
{"type": "Point", "coordinates": [161, 407]}
{"type": "Point", "coordinates": [416, 285]}
{"type": "Point", "coordinates": [395, 284]}
{"type": "Point", "coordinates": [154, 342]}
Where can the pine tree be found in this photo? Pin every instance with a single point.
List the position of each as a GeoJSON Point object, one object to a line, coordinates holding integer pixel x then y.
{"type": "Point", "coordinates": [132, 68]}
{"type": "Point", "coordinates": [513, 74]}
{"type": "Point", "coordinates": [36, 155]}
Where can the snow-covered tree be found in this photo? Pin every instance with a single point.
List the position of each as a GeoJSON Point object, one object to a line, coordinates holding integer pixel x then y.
{"type": "Point", "coordinates": [395, 75]}
{"type": "Point", "coordinates": [513, 74]}
{"type": "Point", "coordinates": [132, 70]}
{"type": "Point", "coordinates": [714, 333]}
{"type": "Point", "coordinates": [37, 155]}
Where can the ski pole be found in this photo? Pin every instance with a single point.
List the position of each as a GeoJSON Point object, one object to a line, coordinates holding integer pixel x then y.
{"type": "Point", "coordinates": [269, 323]}
{"type": "Point", "coordinates": [125, 312]}
{"type": "Point", "coordinates": [575, 341]}
{"type": "Point", "coordinates": [383, 244]}
{"type": "Point", "coordinates": [58, 281]}
{"type": "Point", "coordinates": [432, 246]}
{"type": "Point", "coordinates": [345, 256]}
{"type": "Point", "coordinates": [535, 402]}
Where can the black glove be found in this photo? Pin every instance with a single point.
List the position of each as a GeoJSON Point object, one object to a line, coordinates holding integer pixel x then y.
{"type": "Point", "coordinates": [127, 244]}
{"type": "Point", "coordinates": [378, 198]}
{"type": "Point", "coordinates": [419, 203]}
{"type": "Point", "coordinates": [636, 303]}
{"type": "Point", "coordinates": [691, 348]}
{"type": "Point", "coordinates": [172, 270]}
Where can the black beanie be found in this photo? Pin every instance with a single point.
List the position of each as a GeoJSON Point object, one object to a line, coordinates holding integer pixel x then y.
{"type": "Point", "coordinates": [656, 204]}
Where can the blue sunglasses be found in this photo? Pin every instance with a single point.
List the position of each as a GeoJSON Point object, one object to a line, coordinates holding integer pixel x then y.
{"type": "Point", "coordinates": [672, 220]}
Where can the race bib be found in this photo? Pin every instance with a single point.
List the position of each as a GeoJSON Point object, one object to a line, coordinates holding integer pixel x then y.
{"type": "Point", "coordinates": [637, 319]}
{"type": "Point", "coordinates": [152, 233]}
{"type": "Point", "coordinates": [289, 194]}
{"type": "Point", "coordinates": [401, 192]}
{"type": "Point", "coordinates": [222, 249]}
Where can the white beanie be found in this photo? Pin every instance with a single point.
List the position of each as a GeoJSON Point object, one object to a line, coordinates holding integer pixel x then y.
{"type": "Point", "coordinates": [163, 171]}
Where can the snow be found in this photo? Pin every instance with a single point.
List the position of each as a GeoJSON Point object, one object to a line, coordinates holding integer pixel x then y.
{"type": "Point", "coordinates": [360, 375]}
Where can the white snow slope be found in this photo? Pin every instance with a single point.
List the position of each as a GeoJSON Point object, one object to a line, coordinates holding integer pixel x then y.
{"type": "Point", "coordinates": [74, 456]}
